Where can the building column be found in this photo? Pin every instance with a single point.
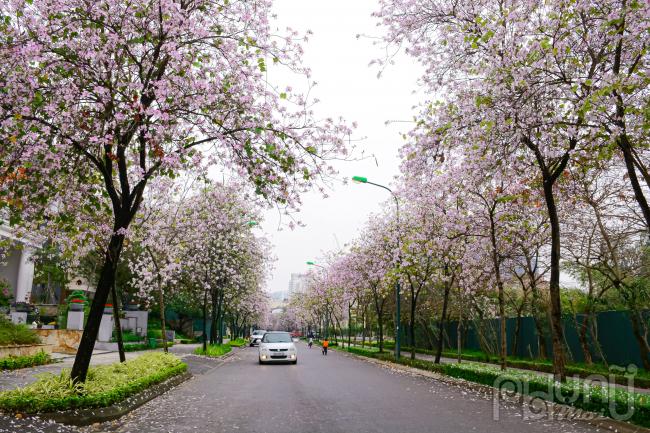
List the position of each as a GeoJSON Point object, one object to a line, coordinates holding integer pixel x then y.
{"type": "Point", "coordinates": [25, 274]}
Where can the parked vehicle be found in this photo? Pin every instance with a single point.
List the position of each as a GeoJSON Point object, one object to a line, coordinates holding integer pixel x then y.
{"type": "Point", "coordinates": [256, 337]}
{"type": "Point", "coordinates": [277, 347]}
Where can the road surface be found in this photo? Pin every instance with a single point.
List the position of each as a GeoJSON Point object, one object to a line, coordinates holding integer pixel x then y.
{"type": "Point", "coordinates": [336, 393]}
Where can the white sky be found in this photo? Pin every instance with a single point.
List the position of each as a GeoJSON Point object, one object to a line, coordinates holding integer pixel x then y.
{"type": "Point", "coordinates": [347, 87]}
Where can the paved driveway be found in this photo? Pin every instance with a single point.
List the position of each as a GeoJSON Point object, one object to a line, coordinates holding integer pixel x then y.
{"type": "Point", "coordinates": [337, 393]}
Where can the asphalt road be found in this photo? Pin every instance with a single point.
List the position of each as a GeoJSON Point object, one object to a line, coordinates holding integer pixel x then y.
{"type": "Point", "coordinates": [336, 393]}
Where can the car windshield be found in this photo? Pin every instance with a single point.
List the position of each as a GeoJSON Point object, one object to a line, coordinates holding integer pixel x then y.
{"type": "Point", "coordinates": [282, 337]}
{"type": "Point", "coordinates": [258, 332]}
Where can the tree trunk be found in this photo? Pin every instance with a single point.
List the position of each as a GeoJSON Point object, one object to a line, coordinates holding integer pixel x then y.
{"type": "Point", "coordinates": [364, 326]}
{"type": "Point", "coordinates": [106, 280]}
{"type": "Point", "coordinates": [594, 337]}
{"type": "Point", "coordinates": [557, 333]}
{"type": "Point", "coordinates": [349, 324]}
{"type": "Point", "coordinates": [220, 315]}
{"type": "Point", "coordinates": [161, 301]}
{"type": "Point", "coordinates": [496, 262]}
{"type": "Point", "coordinates": [441, 326]}
{"type": "Point", "coordinates": [515, 337]}
{"type": "Point", "coordinates": [644, 350]}
{"type": "Point", "coordinates": [118, 325]}
{"type": "Point", "coordinates": [582, 329]}
{"type": "Point", "coordinates": [459, 335]}
{"type": "Point", "coordinates": [412, 322]}
{"type": "Point", "coordinates": [205, 320]}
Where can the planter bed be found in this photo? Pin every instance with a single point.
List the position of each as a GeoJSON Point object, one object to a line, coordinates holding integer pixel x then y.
{"type": "Point", "coordinates": [16, 362]}
{"type": "Point", "coordinates": [106, 385]}
{"type": "Point", "coordinates": [24, 349]}
{"type": "Point", "coordinates": [214, 350]}
{"type": "Point", "coordinates": [641, 378]}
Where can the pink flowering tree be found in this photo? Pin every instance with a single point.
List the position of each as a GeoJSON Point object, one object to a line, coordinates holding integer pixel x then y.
{"type": "Point", "coordinates": [222, 259]}
{"type": "Point", "coordinates": [527, 83]}
{"type": "Point", "coordinates": [100, 98]}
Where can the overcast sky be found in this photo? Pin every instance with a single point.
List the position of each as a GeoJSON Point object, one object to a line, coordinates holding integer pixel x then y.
{"type": "Point", "coordinates": [347, 87]}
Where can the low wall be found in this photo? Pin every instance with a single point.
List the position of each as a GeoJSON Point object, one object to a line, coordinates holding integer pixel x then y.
{"type": "Point", "coordinates": [24, 350]}
{"type": "Point", "coordinates": [62, 340]}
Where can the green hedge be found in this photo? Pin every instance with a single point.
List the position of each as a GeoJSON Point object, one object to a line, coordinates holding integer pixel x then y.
{"type": "Point", "coordinates": [144, 346]}
{"type": "Point", "coordinates": [213, 350]}
{"type": "Point", "coordinates": [641, 379]}
{"type": "Point", "coordinates": [576, 393]}
{"type": "Point", "coordinates": [105, 385]}
{"type": "Point", "coordinates": [13, 334]}
{"type": "Point", "coordinates": [15, 362]}
{"type": "Point", "coordinates": [238, 342]}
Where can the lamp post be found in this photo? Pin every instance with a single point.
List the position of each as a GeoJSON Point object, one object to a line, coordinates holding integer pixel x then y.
{"type": "Point", "coordinates": [361, 179]}
{"type": "Point", "coordinates": [311, 263]}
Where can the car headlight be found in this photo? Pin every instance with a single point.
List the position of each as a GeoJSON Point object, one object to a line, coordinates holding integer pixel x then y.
{"type": "Point", "coordinates": [263, 357]}
{"type": "Point", "coordinates": [293, 356]}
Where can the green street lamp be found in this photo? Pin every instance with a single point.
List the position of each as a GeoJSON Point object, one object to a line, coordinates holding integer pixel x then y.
{"type": "Point", "coordinates": [361, 179]}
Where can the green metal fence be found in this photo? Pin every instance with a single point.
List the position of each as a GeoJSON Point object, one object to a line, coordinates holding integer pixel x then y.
{"type": "Point", "coordinates": [613, 330]}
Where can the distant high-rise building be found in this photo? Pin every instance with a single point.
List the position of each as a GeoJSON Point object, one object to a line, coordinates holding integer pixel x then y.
{"type": "Point", "coordinates": [297, 283]}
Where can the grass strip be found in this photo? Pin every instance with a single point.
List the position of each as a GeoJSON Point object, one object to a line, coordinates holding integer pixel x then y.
{"type": "Point", "coordinates": [238, 342]}
{"type": "Point", "coordinates": [105, 385]}
{"type": "Point", "coordinates": [15, 362]}
{"type": "Point", "coordinates": [213, 350]}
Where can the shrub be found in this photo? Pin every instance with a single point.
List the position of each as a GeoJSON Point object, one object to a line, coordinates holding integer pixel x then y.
{"type": "Point", "coordinates": [238, 342]}
{"type": "Point", "coordinates": [154, 333]}
{"type": "Point", "coordinates": [144, 346]}
{"type": "Point", "coordinates": [105, 385]}
{"type": "Point", "coordinates": [214, 350]}
{"type": "Point", "coordinates": [127, 336]}
{"type": "Point", "coordinates": [16, 362]}
{"type": "Point", "coordinates": [11, 333]}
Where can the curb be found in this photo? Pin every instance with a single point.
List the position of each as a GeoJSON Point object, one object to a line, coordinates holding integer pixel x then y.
{"type": "Point", "coordinates": [551, 409]}
{"type": "Point", "coordinates": [85, 417]}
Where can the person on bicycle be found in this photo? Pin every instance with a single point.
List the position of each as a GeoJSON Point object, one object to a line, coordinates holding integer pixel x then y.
{"type": "Point", "coordinates": [311, 341]}
{"type": "Point", "coordinates": [325, 345]}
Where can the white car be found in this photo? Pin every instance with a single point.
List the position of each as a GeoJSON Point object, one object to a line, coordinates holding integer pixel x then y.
{"type": "Point", "coordinates": [256, 337]}
{"type": "Point", "coordinates": [277, 347]}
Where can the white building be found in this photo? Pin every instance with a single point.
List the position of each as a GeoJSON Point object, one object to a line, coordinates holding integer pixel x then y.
{"type": "Point", "coordinates": [17, 266]}
{"type": "Point", "coordinates": [297, 283]}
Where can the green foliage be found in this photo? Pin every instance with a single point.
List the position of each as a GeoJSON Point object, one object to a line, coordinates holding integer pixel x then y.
{"type": "Point", "coordinates": [49, 268]}
{"type": "Point", "coordinates": [15, 362]}
{"type": "Point", "coordinates": [154, 333]}
{"type": "Point", "coordinates": [77, 295]}
{"type": "Point", "coordinates": [214, 350]}
{"type": "Point", "coordinates": [127, 336]}
{"type": "Point", "coordinates": [5, 293]}
{"type": "Point", "coordinates": [105, 385]}
{"type": "Point", "coordinates": [573, 392]}
{"type": "Point", "coordinates": [144, 346]}
{"type": "Point", "coordinates": [238, 342]}
{"type": "Point", "coordinates": [13, 334]}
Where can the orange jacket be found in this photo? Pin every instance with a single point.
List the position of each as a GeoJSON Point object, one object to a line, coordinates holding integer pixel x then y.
{"type": "Point", "coordinates": [326, 343]}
